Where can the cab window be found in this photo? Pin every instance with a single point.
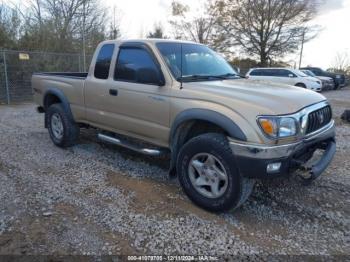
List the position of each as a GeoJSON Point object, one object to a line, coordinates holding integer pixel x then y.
{"type": "Point", "coordinates": [136, 65]}
{"type": "Point", "coordinates": [103, 61]}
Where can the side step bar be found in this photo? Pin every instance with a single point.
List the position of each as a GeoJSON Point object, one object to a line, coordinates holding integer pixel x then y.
{"type": "Point", "coordinates": [134, 147]}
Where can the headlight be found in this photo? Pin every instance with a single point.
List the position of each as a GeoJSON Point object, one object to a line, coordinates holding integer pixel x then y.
{"type": "Point", "coordinates": [278, 127]}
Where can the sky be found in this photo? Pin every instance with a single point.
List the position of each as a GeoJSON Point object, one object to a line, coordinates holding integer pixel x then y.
{"type": "Point", "coordinates": [334, 36]}
{"type": "Point", "coordinates": [138, 17]}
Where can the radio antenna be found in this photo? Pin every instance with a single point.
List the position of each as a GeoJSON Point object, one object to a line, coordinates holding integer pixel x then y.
{"type": "Point", "coordinates": [181, 66]}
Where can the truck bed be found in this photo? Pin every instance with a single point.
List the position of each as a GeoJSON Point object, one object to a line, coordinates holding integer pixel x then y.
{"type": "Point", "coordinates": [64, 74]}
{"type": "Point", "coordinates": [71, 84]}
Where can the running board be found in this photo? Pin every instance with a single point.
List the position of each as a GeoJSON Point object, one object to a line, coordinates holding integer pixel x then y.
{"type": "Point", "coordinates": [129, 145]}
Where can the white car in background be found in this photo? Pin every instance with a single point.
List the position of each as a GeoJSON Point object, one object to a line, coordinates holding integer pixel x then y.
{"type": "Point", "coordinates": [327, 82]}
{"type": "Point", "coordinates": [285, 76]}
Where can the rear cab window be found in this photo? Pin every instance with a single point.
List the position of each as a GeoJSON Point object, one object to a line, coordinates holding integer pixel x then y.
{"type": "Point", "coordinates": [103, 61]}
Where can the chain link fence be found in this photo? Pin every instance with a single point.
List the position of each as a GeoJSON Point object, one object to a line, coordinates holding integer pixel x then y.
{"type": "Point", "coordinates": [17, 67]}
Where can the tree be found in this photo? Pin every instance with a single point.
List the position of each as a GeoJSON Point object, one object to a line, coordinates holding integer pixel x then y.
{"type": "Point", "coordinates": [199, 28]}
{"type": "Point", "coordinates": [244, 64]}
{"type": "Point", "coordinates": [157, 32]}
{"type": "Point", "coordinates": [266, 29]}
{"type": "Point", "coordinates": [63, 25]}
{"type": "Point", "coordinates": [9, 26]}
{"type": "Point", "coordinates": [115, 24]}
{"type": "Point", "coordinates": [341, 62]}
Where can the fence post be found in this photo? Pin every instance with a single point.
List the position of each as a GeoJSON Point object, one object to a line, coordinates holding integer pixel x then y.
{"type": "Point", "coordinates": [79, 63]}
{"type": "Point", "coordinates": [6, 79]}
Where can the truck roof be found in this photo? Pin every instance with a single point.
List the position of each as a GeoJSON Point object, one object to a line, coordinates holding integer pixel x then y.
{"type": "Point", "coordinates": [274, 68]}
{"type": "Point", "coordinates": [149, 40]}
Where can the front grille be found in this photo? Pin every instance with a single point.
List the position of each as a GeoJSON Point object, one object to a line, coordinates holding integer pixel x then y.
{"type": "Point", "coordinates": [318, 119]}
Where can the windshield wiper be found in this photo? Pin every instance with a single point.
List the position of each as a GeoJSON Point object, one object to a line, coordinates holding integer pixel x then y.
{"type": "Point", "coordinates": [228, 75]}
{"type": "Point", "coordinates": [194, 77]}
{"type": "Point", "coordinates": [207, 77]}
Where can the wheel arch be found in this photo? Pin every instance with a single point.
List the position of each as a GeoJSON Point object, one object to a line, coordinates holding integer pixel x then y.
{"type": "Point", "coordinates": [54, 95]}
{"type": "Point", "coordinates": [300, 84]}
{"type": "Point", "coordinates": [210, 116]}
{"type": "Point", "coordinates": [193, 122]}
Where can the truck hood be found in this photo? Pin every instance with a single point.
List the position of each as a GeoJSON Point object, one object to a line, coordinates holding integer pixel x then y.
{"type": "Point", "coordinates": [325, 78]}
{"type": "Point", "coordinates": [311, 78]}
{"type": "Point", "coordinates": [266, 97]}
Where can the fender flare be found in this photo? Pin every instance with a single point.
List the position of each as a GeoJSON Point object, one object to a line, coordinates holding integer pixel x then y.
{"type": "Point", "coordinates": [216, 118]}
{"type": "Point", "coordinates": [60, 95]}
{"type": "Point", "coordinates": [177, 133]}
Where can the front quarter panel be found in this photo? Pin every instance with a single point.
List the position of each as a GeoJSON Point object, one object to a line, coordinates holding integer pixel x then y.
{"type": "Point", "coordinates": [185, 101]}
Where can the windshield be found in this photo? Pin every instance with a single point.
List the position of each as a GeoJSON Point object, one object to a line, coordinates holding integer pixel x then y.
{"type": "Point", "coordinates": [198, 62]}
{"type": "Point", "coordinates": [308, 72]}
{"type": "Point", "coordinates": [300, 73]}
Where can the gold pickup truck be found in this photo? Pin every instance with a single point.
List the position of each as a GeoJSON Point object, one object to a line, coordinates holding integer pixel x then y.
{"type": "Point", "coordinates": [221, 131]}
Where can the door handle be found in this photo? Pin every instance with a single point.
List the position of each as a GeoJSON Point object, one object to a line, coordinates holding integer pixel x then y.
{"type": "Point", "coordinates": [113, 92]}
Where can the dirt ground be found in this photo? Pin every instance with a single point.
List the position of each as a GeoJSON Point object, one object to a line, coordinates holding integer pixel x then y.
{"type": "Point", "coordinates": [97, 199]}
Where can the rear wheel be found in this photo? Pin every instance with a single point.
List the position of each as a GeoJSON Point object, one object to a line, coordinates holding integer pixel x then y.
{"type": "Point", "coordinates": [63, 131]}
{"type": "Point", "coordinates": [209, 176]}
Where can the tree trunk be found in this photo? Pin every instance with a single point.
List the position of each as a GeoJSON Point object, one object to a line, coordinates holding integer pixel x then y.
{"type": "Point", "coordinates": [263, 59]}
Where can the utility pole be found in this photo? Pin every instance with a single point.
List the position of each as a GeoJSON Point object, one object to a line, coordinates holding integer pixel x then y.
{"type": "Point", "coordinates": [6, 78]}
{"type": "Point", "coordinates": [84, 51]}
{"type": "Point", "coordinates": [302, 48]}
{"type": "Point", "coordinates": [114, 29]}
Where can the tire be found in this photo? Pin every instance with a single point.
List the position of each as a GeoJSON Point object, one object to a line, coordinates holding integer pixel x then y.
{"type": "Point", "coordinates": [336, 84]}
{"type": "Point", "coordinates": [63, 131]}
{"type": "Point", "coordinates": [233, 193]}
{"type": "Point", "coordinates": [301, 85]}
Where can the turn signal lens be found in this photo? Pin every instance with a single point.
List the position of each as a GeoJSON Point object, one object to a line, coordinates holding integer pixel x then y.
{"type": "Point", "coordinates": [269, 126]}
{"type": "Point", "coordinates": [278, 126]}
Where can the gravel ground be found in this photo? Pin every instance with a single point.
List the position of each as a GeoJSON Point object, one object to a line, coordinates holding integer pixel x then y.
{"type": "Point", "coordinates": [96, 199]}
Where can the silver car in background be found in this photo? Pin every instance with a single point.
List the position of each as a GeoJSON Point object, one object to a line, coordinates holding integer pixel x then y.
{"type": "Point", "coordinates": [327, 82]}
{"type": "Point", "coordinates": [288, 76]}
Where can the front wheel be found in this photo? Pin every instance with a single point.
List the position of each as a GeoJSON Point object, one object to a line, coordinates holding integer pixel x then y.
{"type": "Point", "coordinates": [63, 131]}
{"type": "Point", "coordinates": [301, 85]}
{"type": "Point", "coordinates": [209, 176]}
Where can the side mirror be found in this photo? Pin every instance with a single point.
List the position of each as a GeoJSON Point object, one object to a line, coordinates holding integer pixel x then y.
{"type": "Point", "coordinates": [149, 76]}
{"type": "Point", "coordinates": [291, 75]}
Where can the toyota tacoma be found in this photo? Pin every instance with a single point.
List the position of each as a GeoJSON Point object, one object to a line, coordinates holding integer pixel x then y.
{"type": "Point", "coordinates": [221, 132]}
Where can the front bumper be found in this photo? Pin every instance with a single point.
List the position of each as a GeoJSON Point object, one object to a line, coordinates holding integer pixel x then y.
{"type": "Point", "coordinates": [329, 85]}
{"type": "Point", "coordinates": [253, 159]}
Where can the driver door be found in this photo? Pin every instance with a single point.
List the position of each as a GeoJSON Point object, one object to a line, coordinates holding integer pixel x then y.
{"type": "Point", "coordinates": [141, 96]}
